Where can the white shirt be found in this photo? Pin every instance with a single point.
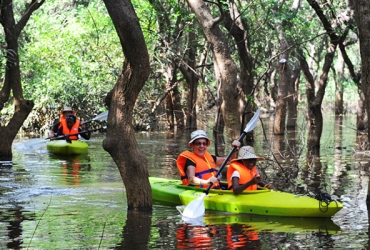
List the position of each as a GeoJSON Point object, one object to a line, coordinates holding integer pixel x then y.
{"type": "Point", "coordinates": [235, 174]}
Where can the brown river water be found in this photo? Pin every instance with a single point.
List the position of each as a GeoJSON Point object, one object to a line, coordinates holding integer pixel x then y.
{"type": "Point", "coordinates": [50, 202]}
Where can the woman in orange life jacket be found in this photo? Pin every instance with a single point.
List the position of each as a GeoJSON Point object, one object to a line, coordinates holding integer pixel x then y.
{"type": "Point", "coordinates": [63, 114]}
{"type": "Point", "coordinates": [242, 173]}
{"type": "Point", "coordinates": [70, 127]}
{"type": "Point", "coordinates": [198, 167]}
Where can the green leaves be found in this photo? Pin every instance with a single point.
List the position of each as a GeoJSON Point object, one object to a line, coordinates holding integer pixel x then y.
{"type": "Point", "coordinates": [68, 59]}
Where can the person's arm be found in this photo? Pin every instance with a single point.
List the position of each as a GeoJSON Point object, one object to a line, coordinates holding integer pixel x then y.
{"type": "Point", "coordinates": [190, 172]}
{"type": "Point", "coordinates": [85, 135]}
{"type": "Point", "coordinates": [237, 189]}
{"type": "Point", "coordinates": [264, 183]}
{"type": "Point", "coordinates": [59, 132]}
{"type": "Point", "coordinates": [53, 130]}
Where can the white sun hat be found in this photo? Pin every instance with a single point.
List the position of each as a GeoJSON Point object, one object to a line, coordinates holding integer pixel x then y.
{"type": "Point", "coordinates": [247, 152]}
{"type": "Point", "coordinates": [66, 109]}
{"type": "Point", "coordinates": [198, 134]}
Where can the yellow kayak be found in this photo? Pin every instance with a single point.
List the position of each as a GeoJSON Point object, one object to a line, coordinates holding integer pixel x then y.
{"type": "Point", "coordinates": [258, 202]}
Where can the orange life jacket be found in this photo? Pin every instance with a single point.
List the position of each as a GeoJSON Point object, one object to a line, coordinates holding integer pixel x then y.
{"type": "Point", "coordinates": [62, 119]}
{"type": "Point", "coordinates": [73, 130]}
{"type": "Point", "coordinates": [205, 167]}
{"type": "Point", "coordinates": [235, 240]}
{"type": "Point", "coordinates": [195, 237]}
{"type": "Point", "coordinates": [245, 174]}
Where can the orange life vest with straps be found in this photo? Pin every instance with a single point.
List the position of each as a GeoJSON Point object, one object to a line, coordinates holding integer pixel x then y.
{"type": "Point", "coordinates": [205, 167]}
{"type": "Point", "coordinates": [62, 119]}
{"type": "Point", "coordinates": [73, 130]}
{"type": "Point", "coordinates": [245, 174]}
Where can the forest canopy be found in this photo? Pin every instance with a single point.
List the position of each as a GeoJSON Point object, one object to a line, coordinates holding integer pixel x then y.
{"type": "Point", "coordinates": [70, 55]}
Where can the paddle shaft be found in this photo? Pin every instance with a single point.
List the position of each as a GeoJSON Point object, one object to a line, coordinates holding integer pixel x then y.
{"type": "Point", "coordinates": [101, 117]}
{"type": "Point", "coordinates": [226, 160]}
{"type": "Point", "coordinates": [196, 207]}
{"type": "Point", "coordinates": [85, 131]}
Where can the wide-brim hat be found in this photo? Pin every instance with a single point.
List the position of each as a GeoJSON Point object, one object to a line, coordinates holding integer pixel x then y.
{"type": "Point", "coordinates": [66, 109]}
{"type": "Point", "coordinates": [198, 134]}
{"type": "Point", "coordinates": [247, 152]}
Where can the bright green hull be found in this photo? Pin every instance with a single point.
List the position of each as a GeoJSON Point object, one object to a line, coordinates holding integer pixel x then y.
{"type": "Point", "coordinates": [61, 147]}
{"type": "Point", "coordinates": [259, 202]}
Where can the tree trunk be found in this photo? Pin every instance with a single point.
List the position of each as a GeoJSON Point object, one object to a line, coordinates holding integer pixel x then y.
{"type": "Point", "coordinates": [224, 64]}
{"type": "Point", "coordinates": [120, 141]}
{"type": "Point", "coordinates": [287, 75]}
{"type": "Point", "coordinates": [169, 103]}
{"type": "Point", "coordinates": [170, 40]}
{"type": "Point", "coordinates": [362, 10]}
{"type": "Point", "coordinates": [239, 29]}
{"type": "Point", "coordinates": [192, 80]}
{"type": "Point", "coordinates": [280, 111]}
{"type": "Point", "coordinates": [292, 98]}
{"type": "Point", "coordinates": [12, 81]}
{"type": "Point", "coordinates": [315, 118]}
{"type": "Point", "coordinates": [339, 107]}
{"type": "Point", "coordinates": [361, 118]}
{"type": "Point", "coordinates": [170, 118]}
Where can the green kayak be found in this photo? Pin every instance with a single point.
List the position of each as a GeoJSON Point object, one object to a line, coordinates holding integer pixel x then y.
{"type": "Point", "coordinates": [259, 202]}
{"type": "Point", "coordinates": [61, 147]}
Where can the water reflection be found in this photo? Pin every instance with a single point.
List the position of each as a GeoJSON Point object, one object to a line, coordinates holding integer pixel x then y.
{"type": "Point", "coordinates": [12, 209]}
{"type": "Point", "coordinates": [228, 231]}
{"type": "Point", "coordinates": [228, 236]}
{"type": "Point", "coordinates": [137, 230]}
{"type": "Point", "coordinates": [73, 168]}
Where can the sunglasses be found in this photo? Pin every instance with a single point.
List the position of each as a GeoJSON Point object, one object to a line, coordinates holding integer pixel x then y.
{"type": "Point", "coordinates": [201, 143]}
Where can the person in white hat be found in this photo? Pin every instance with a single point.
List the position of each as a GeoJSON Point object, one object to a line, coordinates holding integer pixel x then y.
{"type": "Point", "coordinates": [242, 173]}
{"type": "Point", "coordinates": [71, 128]}
{"type": "Point", "coordinates": [63, 114]}
{"type": "Point", "coordinates": [198, 167]}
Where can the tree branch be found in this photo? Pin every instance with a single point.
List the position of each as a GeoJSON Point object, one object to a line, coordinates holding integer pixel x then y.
{"type": "Point", "coordinates": [34, 5]}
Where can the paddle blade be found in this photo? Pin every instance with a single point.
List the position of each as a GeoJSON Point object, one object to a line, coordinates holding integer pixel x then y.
{"type": "Point", "coordinates": [253, 122]}
{"type": "Point", "coordinates": [101, 117]}
{"type": "Point", "coordinates": [195, 208]}
{"type": "Point", "coordinates": [33, 144]}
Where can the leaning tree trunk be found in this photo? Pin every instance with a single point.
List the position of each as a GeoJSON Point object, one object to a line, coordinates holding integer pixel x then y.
{"type": "Point", "coordinates": [120, 141]}
{"type": "Point", "coordinates": [12, 81]}
{"type": "Point", "coordinates": [239, 30]}
{"type": "Point", "coordinates": [362, 10]}
{"type": "Point", "coordinates": [224, 64]}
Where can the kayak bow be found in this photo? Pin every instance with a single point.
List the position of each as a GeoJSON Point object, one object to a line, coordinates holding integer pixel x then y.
{"type": "Point", "coordinates": [61, 147]}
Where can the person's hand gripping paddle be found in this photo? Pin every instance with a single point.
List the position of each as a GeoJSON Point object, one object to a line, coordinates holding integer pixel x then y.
{"type": "Point", "coordinates": [196, 207]}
